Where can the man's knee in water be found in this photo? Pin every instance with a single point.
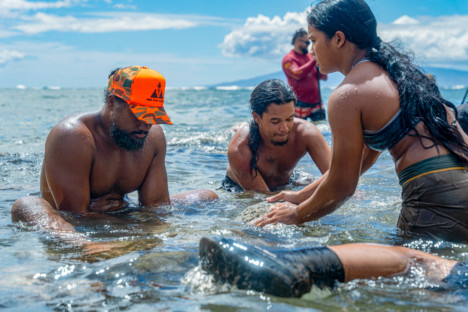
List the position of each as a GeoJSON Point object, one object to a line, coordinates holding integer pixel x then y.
{"type": "Point", "coordinates": [195, 195]}
{"type": "Point", "coordinates": [25, 209]}
{"type": "Point", "coordinates": [208, 195]}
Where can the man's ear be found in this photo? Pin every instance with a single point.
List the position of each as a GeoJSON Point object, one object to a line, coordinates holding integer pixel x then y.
{"type": "Point", "coordinates": [111, 101]}
{"type": "Point", "coordinates": [256, 117]}
{"type": "Point", "coordinates": [339, 38]}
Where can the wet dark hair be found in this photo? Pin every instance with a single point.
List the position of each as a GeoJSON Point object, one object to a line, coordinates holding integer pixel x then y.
{"type": "Point", "coordinates": [419, 96]}
{"type": "Point", "coordinates": [274, 91]}
{"type": "Point", "coordinates": [299, 33]}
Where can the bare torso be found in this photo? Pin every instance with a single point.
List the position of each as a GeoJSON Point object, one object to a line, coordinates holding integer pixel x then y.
{"type": "Point", "coordinates": [112, 172]}
{"type": "Point", "coordinates": [276, 163]}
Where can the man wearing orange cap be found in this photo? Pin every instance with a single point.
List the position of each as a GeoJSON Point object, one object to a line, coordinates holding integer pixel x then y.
{"type": "Point", "coordinates": [92, 160]}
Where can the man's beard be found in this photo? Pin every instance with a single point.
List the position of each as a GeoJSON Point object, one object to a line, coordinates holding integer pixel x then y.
{"type": "Point", "coordinates": [305, 50]}
{"type": "Point", "coordinates": [279, 143]}
{"type": "Point", "coordinates": [125, 140]}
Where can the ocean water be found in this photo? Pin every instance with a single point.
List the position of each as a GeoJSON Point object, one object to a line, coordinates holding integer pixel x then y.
{"type": "Point", "coordinates": [157, 267]}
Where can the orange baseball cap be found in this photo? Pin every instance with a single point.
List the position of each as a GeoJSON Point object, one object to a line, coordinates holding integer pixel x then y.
{"type": "Point", "coordinates": [143, 90]}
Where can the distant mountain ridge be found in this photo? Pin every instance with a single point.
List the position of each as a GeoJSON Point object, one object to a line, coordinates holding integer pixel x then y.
{"type": "Point", "coordinates": [447, 78]}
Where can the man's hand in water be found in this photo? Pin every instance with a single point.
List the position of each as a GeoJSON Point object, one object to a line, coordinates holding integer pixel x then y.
{"type": "Point", "coordinates": [95, 251]}
{"type": "Point", "coordinates": [289, 196]}
{"type": "Point", "coordinates": [93, 248]}
{"type": "Point", "coordinates": [280, 213]}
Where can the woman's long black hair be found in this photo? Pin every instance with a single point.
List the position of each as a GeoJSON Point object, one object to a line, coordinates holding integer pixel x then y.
{"type": "Point", "coordinates": [272, 91]}
{"type": "Point", "coordinates": [419, 96]}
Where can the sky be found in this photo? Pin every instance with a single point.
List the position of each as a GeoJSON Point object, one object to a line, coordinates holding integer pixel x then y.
{"type": "Point", "coordinates": [76, 43]}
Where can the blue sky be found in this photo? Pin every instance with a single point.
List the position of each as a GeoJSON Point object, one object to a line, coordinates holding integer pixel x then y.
{"type": "Point", "coordinates": [75, 43]}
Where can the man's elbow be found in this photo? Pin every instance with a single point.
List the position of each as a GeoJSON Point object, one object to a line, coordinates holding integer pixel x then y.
{"type": "Point", "coordinates": [345, 191]}
{"type": "Point", "coordinates": [349, 191]}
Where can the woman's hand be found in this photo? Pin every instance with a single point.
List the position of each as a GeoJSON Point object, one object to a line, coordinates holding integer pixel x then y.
{"type": "Point", "coordinates": [289, 196]}
{"type": "Point", "coordinates": [280, 213]}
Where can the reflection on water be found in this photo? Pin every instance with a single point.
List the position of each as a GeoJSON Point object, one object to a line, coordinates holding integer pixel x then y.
{"type": "Point", "coordinates": [155, 263]}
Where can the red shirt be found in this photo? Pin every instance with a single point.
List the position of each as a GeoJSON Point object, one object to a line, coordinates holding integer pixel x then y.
{"type": "Point", "coordinates": [301, 72]}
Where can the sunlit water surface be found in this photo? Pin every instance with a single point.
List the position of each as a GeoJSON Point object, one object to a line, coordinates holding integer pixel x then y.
{"type": "Point", "coordinates": [157, 267]}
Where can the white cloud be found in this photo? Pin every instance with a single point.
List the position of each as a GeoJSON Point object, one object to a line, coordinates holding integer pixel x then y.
{"type": "Point", "coordinates": [105, 22]}
{"type": "Point", "coordinates": [432, 39]}
{"type": "Point", "coordinates": [5, 33]}
{"type": "Point", "coordinates": [37, 5]}
{"type": "Point", "coordinates": [7, 56]}
{"type": "Point", "coordinates": [264, 37]}
{"type": "Point", "coordinates": [41, 22]}
{"type": "Point", "coordinates": [405, 20]}
{"type": "Point", "coordinates": [121, 6]}
{"type": "Point", "coordinates": [16, 19]}
{"type": "Point", "coordinates": [13, 10]}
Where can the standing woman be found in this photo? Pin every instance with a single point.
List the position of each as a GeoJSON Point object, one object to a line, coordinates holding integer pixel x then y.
{"type": "Point", "coordinates": [384, 102]}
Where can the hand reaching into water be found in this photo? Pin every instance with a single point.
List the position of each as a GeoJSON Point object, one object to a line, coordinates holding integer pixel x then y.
{"type": "Point", "coordinates": [289, 196]}
{"type": "Point", "coordinates": [280, 213]}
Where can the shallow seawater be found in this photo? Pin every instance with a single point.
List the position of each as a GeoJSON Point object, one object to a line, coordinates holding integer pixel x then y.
{"type": "Point", "coordinates": [156, 267]}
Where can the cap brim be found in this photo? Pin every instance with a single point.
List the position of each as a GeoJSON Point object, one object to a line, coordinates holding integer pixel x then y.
{"type": "Point", "coordinates": [150, 115]}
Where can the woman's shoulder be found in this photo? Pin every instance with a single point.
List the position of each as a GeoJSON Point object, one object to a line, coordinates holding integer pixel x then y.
{"type": "Point", "coordinates": [348, 91]}
{"type": "Point", "coordinates": [368, 82]}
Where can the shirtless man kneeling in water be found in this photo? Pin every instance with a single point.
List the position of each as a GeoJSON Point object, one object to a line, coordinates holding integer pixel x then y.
{"type": "Point", "coordinates": [92, 160]}
{"type": "Point", "coordinates": [263, 155]}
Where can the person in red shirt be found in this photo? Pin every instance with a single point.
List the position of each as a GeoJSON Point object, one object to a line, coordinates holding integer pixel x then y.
{"type": "Point", "coordinates": [303, 77]}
